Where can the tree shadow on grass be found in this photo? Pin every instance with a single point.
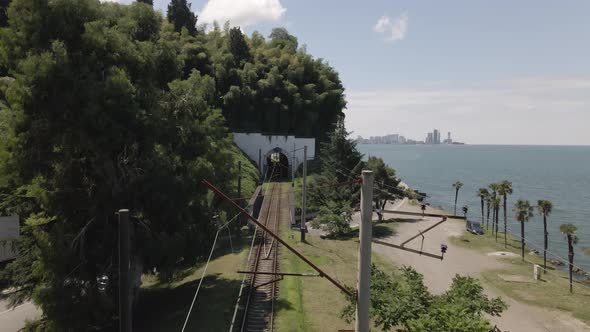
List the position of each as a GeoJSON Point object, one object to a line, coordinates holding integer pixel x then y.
{"type": "Point", "coordinates": [165, 308]}
{"type": "Point", "coordinates": [409, 220]}
{"type": "Point", "coordinates": [382, 231]}
{"type": "Point", "coordinates": [379, 231]}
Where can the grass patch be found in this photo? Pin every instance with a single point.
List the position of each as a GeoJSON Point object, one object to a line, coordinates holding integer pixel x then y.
{"type": "Point", "coordinates": [487, 242]}
{"type": "Point", "coordinates": [298, 188]}
{"type": "Point", "coordinates": [551, 292]}
{"type": "Point", "coordinates": [249, 171]}
{"type": "Point", "coordinates": [163, 306]}
{"type": "Point", "coordinates": [311, 303]}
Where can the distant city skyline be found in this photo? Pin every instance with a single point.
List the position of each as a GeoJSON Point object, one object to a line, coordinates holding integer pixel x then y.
{"type": "Point", "coordinates": [431, 138]}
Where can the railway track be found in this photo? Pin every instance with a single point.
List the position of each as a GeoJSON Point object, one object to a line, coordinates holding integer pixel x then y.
{"type": "Point", "coordinates": [262, 287]}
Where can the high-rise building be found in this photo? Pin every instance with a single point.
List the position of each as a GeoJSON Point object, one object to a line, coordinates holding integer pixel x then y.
{"type": "Point", "coordinates": [436, 136]}
{"type": "Point", "coordinates": [429, 138]}
{"type": "Point", "coordinates": [449, 140]}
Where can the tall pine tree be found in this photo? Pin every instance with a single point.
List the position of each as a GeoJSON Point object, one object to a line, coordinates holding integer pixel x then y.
{"type": "Point", "coordinates": [238, 46]}
{"type": "Point", "coordinates": [3, 19]}
{"type": "Point", "coordinates": [180, 14]}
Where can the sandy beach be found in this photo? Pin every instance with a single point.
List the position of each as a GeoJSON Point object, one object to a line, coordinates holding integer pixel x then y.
{"type": "Point", "coordinates": [438, 274]}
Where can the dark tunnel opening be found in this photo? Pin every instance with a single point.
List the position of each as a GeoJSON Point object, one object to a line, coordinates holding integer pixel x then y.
{"type": "Point", "coordinates": [277, 166]}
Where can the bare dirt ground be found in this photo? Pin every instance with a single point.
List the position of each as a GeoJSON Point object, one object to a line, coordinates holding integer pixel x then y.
{"type": "Point", "coordinates": [438, 275]}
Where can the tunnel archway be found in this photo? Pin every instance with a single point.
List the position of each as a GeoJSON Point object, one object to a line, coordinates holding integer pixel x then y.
{"type": "Point", "coordinates": [277, 165]}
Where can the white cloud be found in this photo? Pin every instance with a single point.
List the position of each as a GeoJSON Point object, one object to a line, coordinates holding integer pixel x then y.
{"type": "Point", "coordinates": [524, 111]}
{"type": "Point", "coordinates": [241, 13]}
{"type": "Point", "coordinates": [393, 30]}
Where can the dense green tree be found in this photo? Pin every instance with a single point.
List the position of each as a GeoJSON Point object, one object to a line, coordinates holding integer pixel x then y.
{"type": "Point", "coordinates": [276, 91]}
{"type": "Point", "coordinates": [339, 156]}
{"type": "Point", "coordinates": [340, 161]}
{"type": "Point", "coordinates": [148, 2]}
{"type": "Point", "coordinates": [523, 211]}
{"type": "Point", "coordinates": [504, 190]}
{"type": "Point", "coordinates": [180, 15]}
{"type": "Point", "coordinates": [545, 208]}
{"type": "Point", "coordinates": [280, 37]}
{"type": "Point", "coordinates": [457, 185]}
{"type": "Point", "coordinates": [404, 302]}
{"type": "Point", "coordinates": [334, 218]}
{"type": "Point", "coordinates": [99, 119]}
{"type": "Point", "coordinates": [569, 230]}
{"type": "Point", "coordinates": [385, 184]}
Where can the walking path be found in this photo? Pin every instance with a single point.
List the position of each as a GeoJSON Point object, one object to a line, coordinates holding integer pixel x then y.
{"type": "Point", "coordinates": [14, 319]}
{"type": "Point", "coordinates": [438, 275]}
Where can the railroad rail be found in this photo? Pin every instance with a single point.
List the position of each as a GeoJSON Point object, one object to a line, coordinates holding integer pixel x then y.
{"type": "Point", "coordinates": [262, 288]}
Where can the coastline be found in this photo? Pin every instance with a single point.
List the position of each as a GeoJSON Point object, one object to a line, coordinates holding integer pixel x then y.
{"type": "Point", "coordinates": [466, 261]}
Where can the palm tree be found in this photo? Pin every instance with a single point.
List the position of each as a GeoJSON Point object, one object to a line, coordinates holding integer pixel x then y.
{"type": "Point", "coordinates": [504, 190]}
{"type": "Point", "coordinates": [494, 188]}
{"type": "Point", "coordinates": [457, 185]}
{"type": "Point", "coordinates": [545, 208]}
{"type": "Point", "coordinates": [496, 207]}
{"type": "Point", "coordinates": [524, 211]}
{"type": "Point", "coordinates": [489, 207]}
{"type": "Point", "coordinates": [483, 194]}
{"type": "Point", "coordinates": [465, 209]}
{"type": "Point", "coordinates": [569, 231]}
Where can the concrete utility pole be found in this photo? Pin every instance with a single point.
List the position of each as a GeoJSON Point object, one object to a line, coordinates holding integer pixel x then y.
{"type": "Point", "coordinates": [260, 163]}
{"type": "Point", "coordinates": [304, 198]}
{"type": "Point", "coordinates": [239, 179]}
{"type": "Point", "coordinates": [124, 262]}
{"type": "Point", "coordinates": [293, 167]}
{"type": "Point", "coordinates": [239, 195]}
{"type": "Point", "coordinates": [364, 272]}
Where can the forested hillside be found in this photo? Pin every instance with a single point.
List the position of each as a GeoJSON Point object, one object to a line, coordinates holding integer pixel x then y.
{"type": "Point", "coordinates": [106, 106]}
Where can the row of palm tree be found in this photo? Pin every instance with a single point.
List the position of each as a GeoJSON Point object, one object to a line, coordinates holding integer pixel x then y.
{"type": "Point", "coordinates": [495, 197]}
{"type": "Point", "coordinates": [524, 211]}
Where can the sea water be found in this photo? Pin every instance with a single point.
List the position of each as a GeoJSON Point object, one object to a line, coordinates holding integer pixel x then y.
{"type": "Point", "coordinates": [560, 174]}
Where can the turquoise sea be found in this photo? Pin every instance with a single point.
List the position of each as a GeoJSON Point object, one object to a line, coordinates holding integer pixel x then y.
{"type": "Point", "coordinates": [560, 174]}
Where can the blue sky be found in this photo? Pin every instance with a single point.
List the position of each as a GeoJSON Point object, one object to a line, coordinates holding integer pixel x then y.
{"type": "Point", "coordinates": [506, 72]}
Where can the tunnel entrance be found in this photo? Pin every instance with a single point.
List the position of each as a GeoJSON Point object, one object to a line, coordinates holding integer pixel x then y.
{"type": "Point", "coordinates": [277, 165]}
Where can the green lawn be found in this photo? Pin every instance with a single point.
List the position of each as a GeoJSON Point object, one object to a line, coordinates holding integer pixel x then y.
{"type": "Point", "coordinates": [314, 304]}
{"type": "Point", "coordinates": [551, 292]}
